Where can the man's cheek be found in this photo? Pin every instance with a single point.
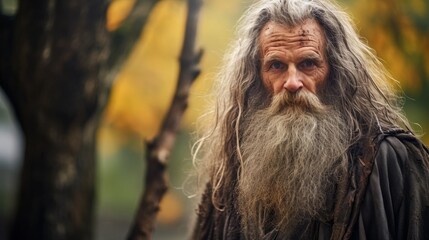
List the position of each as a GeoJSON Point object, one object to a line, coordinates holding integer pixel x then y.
{"type": "Point", "coordinates": [269, 83]}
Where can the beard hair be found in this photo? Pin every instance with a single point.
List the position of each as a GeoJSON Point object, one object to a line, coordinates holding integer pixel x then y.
{"type": "Point", "coordinates": [293, 153]}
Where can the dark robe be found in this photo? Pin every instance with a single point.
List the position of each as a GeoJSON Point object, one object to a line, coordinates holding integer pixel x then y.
{"type": "Point", "coordinates": [385, 196]}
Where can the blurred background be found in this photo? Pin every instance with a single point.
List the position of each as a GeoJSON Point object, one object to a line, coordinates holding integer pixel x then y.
{"type": "Point", "coordinates": [398, 30]}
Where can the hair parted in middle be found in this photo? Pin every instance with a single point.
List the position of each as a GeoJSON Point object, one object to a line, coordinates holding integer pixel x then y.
{"type": "Point", "coordinates": [358, 85]}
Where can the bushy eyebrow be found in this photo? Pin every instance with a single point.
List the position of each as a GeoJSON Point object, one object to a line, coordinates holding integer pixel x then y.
{"type": "Point", "coordinates": [314, 57]}
{"type": "Point", "coordinates": [270, 59]}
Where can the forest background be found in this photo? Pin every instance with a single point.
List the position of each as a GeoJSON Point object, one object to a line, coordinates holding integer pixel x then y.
{"type": "Point", "coordinates": [398, 30]}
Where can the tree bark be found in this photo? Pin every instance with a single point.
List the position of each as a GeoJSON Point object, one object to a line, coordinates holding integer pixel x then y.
{"type": "Point", "coordinates": [57, 74]}
{"type": "Point", "coordinates": [58, 66]}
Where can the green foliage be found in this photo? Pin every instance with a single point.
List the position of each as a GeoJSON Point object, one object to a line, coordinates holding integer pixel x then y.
{"type": "Point", "coordinates": [121, 176]}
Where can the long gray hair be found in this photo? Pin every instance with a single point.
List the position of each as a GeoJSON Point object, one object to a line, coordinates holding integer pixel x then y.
{"type": "Point", "coordinates": [358, 84]}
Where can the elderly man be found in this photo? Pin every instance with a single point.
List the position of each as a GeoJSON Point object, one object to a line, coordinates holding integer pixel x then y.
{"type": "Point", "coordinates": [306, 139]}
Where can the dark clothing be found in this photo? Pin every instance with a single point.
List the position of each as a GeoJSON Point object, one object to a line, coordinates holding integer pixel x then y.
{"type": "Point", "coordinates": [396, 203]}
{"type": "Point", "coordinates": [384, 197]}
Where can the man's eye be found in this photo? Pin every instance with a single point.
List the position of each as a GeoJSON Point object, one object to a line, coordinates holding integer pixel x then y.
{"type": "Point", "coordinates": [276, 65]}
{"type": "Point", "coordinates": [308, 64]}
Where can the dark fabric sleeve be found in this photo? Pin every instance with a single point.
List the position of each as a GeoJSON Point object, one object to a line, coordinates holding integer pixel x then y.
{"type": "Point", "coordinates": [395, 205]}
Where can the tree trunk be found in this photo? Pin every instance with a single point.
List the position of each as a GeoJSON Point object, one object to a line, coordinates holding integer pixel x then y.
{"type": "Point", "coordinates": [57, 68]}
{"type": "Point", "coordinates": [60, 86]}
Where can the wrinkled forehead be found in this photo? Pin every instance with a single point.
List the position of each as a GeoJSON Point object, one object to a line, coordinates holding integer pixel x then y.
{"type": "Point", "coordinates": [307, 33]}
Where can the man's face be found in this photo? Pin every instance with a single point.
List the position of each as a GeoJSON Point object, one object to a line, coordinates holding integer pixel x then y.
{"type": "Point", "coordinates": [293, 58]}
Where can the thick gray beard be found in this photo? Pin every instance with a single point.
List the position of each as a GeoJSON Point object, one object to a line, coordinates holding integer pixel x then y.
{"type": "Point", "coordinates": [293, 152]}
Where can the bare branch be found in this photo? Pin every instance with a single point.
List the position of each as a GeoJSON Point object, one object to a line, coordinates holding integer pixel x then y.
{"type": "Point", "coordinates": [125, 37]}
{"type": "Point", "coordinates": [159, 149]}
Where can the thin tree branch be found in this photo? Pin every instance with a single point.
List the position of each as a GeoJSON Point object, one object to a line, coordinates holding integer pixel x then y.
{"type": "Point", "coordinates": [125, 37]}
{"type": "Point", "coordinates": [159, 149]}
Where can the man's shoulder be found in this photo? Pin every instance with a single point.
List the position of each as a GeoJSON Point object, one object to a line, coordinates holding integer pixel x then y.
{"type": "Point", "coordinates": [395, 204]}
{"type": "Point", "coordinates": [403, 151]}
{"type": "Point", "coordinates": [400, 144]}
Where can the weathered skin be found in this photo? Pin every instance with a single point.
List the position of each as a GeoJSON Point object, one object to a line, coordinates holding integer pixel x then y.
{"type": "Point", "coordinates": [293, 58]}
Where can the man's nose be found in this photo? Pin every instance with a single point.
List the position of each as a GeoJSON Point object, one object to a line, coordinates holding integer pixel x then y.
{"type": "Point", "coordinates": [293, 83]}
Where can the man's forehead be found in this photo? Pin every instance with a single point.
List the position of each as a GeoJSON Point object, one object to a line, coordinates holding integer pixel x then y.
{"type": "Point", "coordinates": [302, 33]}
{"type": "Point", "coordinates": [310, 25]}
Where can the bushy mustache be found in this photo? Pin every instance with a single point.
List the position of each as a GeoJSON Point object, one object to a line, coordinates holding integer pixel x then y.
{"type": "Point", "coordinates": [303, 99]}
